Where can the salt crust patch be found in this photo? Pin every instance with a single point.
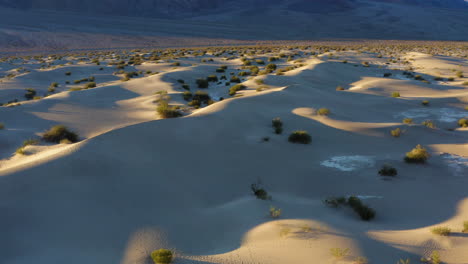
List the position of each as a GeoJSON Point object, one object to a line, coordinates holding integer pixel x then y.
{"type": "Point", "coordinates": [440, 114]}
{"type": "Point", "coordinates": [458, 164]}
{"type": "Point", "coordinates": [349, 163]}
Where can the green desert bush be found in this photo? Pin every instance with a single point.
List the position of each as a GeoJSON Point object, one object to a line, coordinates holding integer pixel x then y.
{"type": "Point", "coordinates": [235, 79]}
{"type": "Point", "coordinates": [366, 213]}
{"type": "Point", "coordinates": [277, 125]}
{"type": "Point", "coordinates": [463, 122]}
{"type": "Point", "coordinates": [441, 231]}
{"type": "Point", "coordinates": [90, 85]}
{"type": "Point", "coordinates": [339, 253]}
{"type": "Point", "coordinates": [429, 124]}
{"type": "Point", "coordinates": [212, 78]}
{"type": "Point", "coordinates": [162, 256]}
{"type": "Point", "coordinates": [56, 133]}
{"type": "Point", "coordinates": [259, 191]}
{"type": "Point", "coordinates": [300, 136]}
{"type": "Point", "coordinates": [234, 89]}
{"type": "Point", "coordinates": [187, 95]}
{"type": "Point", "coordinates": [396, 132]}
{"type": "Point", "coordinates": [388, 170]}
{"type": "Point", "coordinates": [168, 111]}
{"type": "Point", "coordinates": [465, 227]}
{"type": "Point", "coordinates": [30, 93]}
{"type": "Point", "coordinates": [202, 83]}
{"type": "Point", "coordinates": [275, 212]}
{"type": "Point", "coordinates": [323, 111]}
{"type": "Point", "coordinates": [408, 121]}
{"type": "Point", "coordinates": [417, 155]}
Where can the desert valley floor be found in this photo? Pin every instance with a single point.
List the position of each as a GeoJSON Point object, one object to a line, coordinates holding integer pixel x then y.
{"type": "Point", "coordinates": [136, 181]}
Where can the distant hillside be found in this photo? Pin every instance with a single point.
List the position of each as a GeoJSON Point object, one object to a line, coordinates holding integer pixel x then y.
{"type": "Point", "coordinates": [166, 8]}
{"type": "Point", "coordinates": [65, 24]}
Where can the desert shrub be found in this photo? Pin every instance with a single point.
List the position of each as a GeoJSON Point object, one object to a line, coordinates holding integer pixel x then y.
{"type": "Point", "coordinates": [441, 231]}
{"type": "Point", "coordinates": [396, 132]}
{"type": "Point", "coordinates": [259, 192]}
{"type": "Point", "coordinates": [235, 79]}
{"type": "Point", "coordinates": [162, 256]}
{"type": "Point", "coordinates": [366, 213]}
{"type": "Point", "coordinates": [202, 83]}
{"type": "Point", "coordinates": [168, 111]}
{"type": "Point", "coordinates": [408, 121]}
{"type": "Point", "coordinates": [187, 95]}
{"type": "Point", "coordinates": [21, 151]}
{"type": "Point", "coordinates": [212, 78]}
{"type": "Point", "coordinates": [275, 212]}
{"type": "Point", "coordinates": [30, 93]}
{"type": "Point", "coordinates": [395, 94]}
{"type": "Point", "coordinates": [277, 125]}
{"type": "Point", "coordinates": [323, 111]}
{"type": "Point", "coordinates": [233, 90]}
{"type": "Point", "coordinates": [463, 122]}
{"type": "Point", "coordinates": [465, 227]}
{"type": "Point", "coordinates": [425, 103]}
{"type": "Point", "coordinates": [388, 170]}
{"type": "Point", "coordinates": [59, 132]}
{"type": "Point", "coordinates": [90, 85]}
{"type": "Point", "coordinates": [417, 155]}
{"type": "Point", "coordinates": [30, 142]}
{"type": "Point", "coordinates": [429, 124]}
{"type": "Point", "coordinates": [271, 67]}
{"type": "Point", "coordinates": [339, 253]}
{"type": "Point", "coordinates": [259, 82]}
{"type": "Point", "coordinates": [300, 136]}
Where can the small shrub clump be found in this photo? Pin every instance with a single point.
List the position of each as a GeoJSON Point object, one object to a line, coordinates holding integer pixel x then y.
{"type": "Point", "coordinates": [57, 133]}
{"type": "Point", "coordinates": [233, 90]}
{"type": "Point", "coordinates": [277, 125]}
{"type": "Point", "coordinates": [300, 137]}
{"type": "Point", "coordinates": [162, 256]}
{"type": "Point", "coordinates": [441, 231]}
{"type": "Point", "coordinates": [388, 170]}
{"type": "Point", "coordinates": [463, 122]}
{"type": "Point", "coordinates": [323, 111]}
{"type": "Point", "coordinates": [417, 155]}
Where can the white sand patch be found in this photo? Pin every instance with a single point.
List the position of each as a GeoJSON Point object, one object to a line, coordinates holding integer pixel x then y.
{"type": "Point", "coordinates": [441, 114]}
{"type": "Point", "coordinates": [349, 163]}
{"type": "Point", "coordinates": [458, 164]}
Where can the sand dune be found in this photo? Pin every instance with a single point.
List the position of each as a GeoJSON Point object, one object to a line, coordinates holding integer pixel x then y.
{"type": "Point", "coordinates": [137, 182]}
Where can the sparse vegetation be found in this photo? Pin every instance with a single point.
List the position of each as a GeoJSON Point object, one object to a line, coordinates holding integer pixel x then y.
{"type": "Point", "coordinates": [234, 89]}
{"type": "Point", "coordinates": [441, 231]}
{"type": "Point", "coordinates": [323, 111]}
{"type": "Point", "coordinates": [162, 256]}
{"type": "Point", "coordinates": [275, 212]}
{"type": "Point", "coordinates": [417, 155]}
{"type": "Point", "coordinates": [277, 125]}
{"type": "Point", "coordinates": [463, 122]}
{"type": "Point", "coordinates": [388, 170]}
{"type": "Point", "coordinates": [300, 136]}
{"type": "Point", "coordinates": [56, 133]}
{"type": "Point", "coordinates": [339, 253]}
{"type": "Point", "coordinates": [396, 132]}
